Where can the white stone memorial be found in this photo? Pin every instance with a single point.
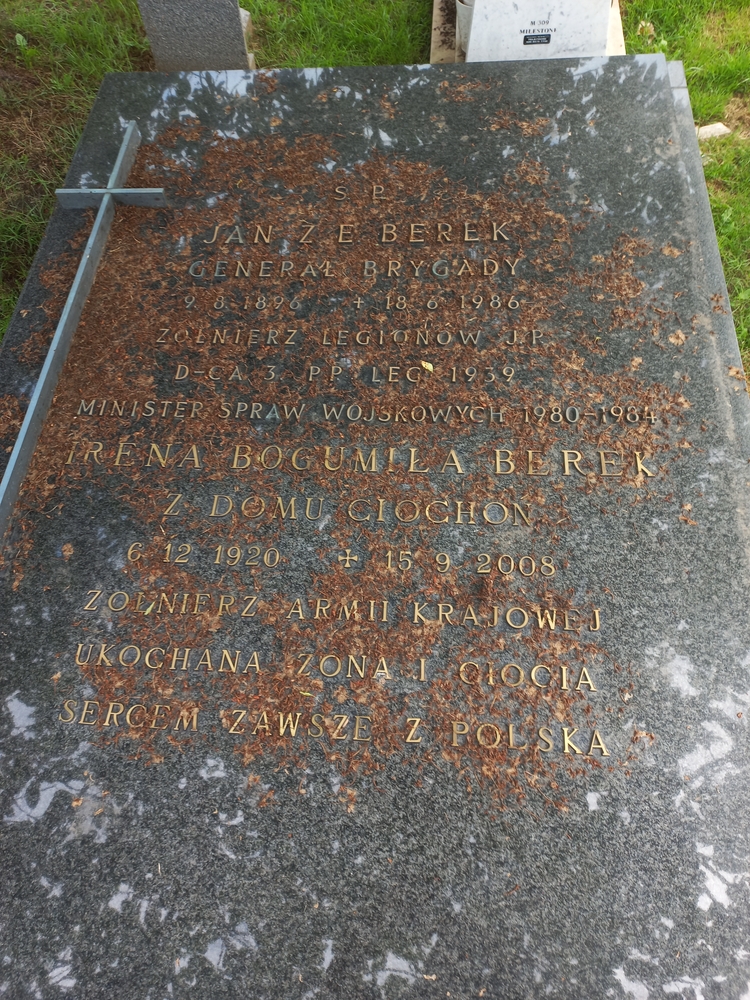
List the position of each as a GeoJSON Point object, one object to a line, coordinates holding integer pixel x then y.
{"type": "Point", "coordinates": [530, 29]}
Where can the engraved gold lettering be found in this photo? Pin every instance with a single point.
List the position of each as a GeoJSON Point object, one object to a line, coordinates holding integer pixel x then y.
{"type": "Point", "coordinates": [487, 726]}
{"type": "Point", "coordinates": [568, 744]}
{"type": "Point", "coordinates": [186, 717]}
{"type": "Point", "coordinates": [509, 618]}
{"type": "Point", "coordinates": [512, 739]}
{"type": "Point", "coordinates": [123, 451]}
{"type": "Point", "coordinates": [597, 743]}
{"type": "Point", "coordinates": [157, 717]}
{"type": "Point", "coordinates": [199, 601]}
{"type": "Point", "coordinates": [91, 606]}
{"type": "Point", "coordinates": [262, 723]}
{"type": "Point", "coordinates": [241, 458]}
{"type": "Point", "coordinates": [546, 616]}
{"type": "Point", "coordinates": [147, 658]}
{"type": "Point", "coordinates": [305, 461]}
{"type": "Point", "coordinates": [338, 733]}
{"type": "Point", "coordinates": [459, 729]}
{"type": "Point", "coordinates": [239, 716]}
{"type": "Point", "coordinates": [571, 459]}
{"type": "Point", "coordinates": [252, 662]}
{"type": "Point", "coordinates": [288, 724]}
{"type": "Point", "coordinates": [505, 676]}
{"type": "Point", "coordinates": [359, 668]}
{"type": "Point", "coordinates": [118, 601]}
{"type": "Point", "coordinates": [309, 229]}
{"type": "Point", "coordinates": [436, 503]}
{"type": "Point", "coordinates": [462, 672]}
{"type": "Point", "coordinates": [368, 465]}
{"type": "Point", "coordinates": [530, 468]}
{"type": "Point", "coordinates": [381, 670]}
{"type": "Point", "coordinates": [129, 716]}
{"type": "Point", "coordinates": [445, 610]}
{"type": "Point", "coordinates": [87, 707]}
{"type": "Point", "coordinates": [69, 707]}
{"type": "Point", "coordinates": [305, 663]}
{"type": "Point", "coordinates": [361, 733]}
{"type": "Point", "coordinates": [495, 507]}
{"type": "Point", "coordinates": [133, 658]}
{"type": "Point", "coordinates": [546, 735]}
{"type": "Point", "coordinates": [335, 664]}
{"type": "Point", "coordinates": [317, 721]}
{"type": "Point", "coordinates": [171, 511]}
{"type": "Point", "coordinates": [584, 678]}
{"type": "Point", "coordinates": [453, 462]}
{"type": "Point", "coordinates": [235, 236]}
{"type": "Point", "coordinates": [94, 451]}
{"type": "Point", "coordinates": [534, 676]}
{"type": "Point", "coordinates": [183, 659]}
{"type": "Point", "coordinates": [205, 661]}
{"type": "Point", "coordinates": [411, 736]}
{"type": "Point", "coordinates": [605, 462]}
{"type": "Point", "coordinates": [639, 466]}
{"type": "Point", "coordinates": [419, 618]}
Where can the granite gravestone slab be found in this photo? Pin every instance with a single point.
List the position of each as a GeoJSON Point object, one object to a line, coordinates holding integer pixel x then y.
{"type": "Point", "coordinates": [373, 608]}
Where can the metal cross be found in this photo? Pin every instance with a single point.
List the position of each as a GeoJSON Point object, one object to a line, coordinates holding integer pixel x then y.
{"type": "Point", "coordinates": [104, 199]}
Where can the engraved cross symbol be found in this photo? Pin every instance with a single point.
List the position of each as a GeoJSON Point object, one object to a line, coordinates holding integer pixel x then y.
{"type": "Point", "coordinates": [105, 199]}
{"type": "Point", "coordinates": [347, 558]}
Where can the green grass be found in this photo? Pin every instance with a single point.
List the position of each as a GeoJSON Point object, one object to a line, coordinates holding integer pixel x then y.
{"type": "Point", "coordinates": [53, 54]}
{"type": "Point", "coordinates": [727, 168]}
{"type": "Point", "coordinates": [77, 42]}
{"type": "Point", "coordinates": [336, 33]}
{"type": "Point", "coordinates": [712, 38]}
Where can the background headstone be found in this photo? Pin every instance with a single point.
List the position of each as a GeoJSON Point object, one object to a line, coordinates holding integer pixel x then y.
{"type": "Point", "coordinates": [508, 29]}
{"type": "Point", "coordinates": [196, 34]}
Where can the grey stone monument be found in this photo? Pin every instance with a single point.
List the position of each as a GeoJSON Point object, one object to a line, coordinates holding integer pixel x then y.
{"type": "Point", "coordinates": [196, 34]}
{"type": "Point", "coordinates": [373, 609]}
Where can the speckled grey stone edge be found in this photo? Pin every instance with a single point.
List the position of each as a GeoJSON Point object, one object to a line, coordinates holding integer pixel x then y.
{"type": "Point", "coordinates": [726, 338]}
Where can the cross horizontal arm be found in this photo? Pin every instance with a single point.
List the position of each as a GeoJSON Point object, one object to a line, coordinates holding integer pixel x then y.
{"type": "Point", "coordinates": [92, 197]}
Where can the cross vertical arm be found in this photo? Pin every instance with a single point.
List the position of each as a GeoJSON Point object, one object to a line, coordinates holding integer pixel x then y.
{"type": "Point", "coordinates": [41, 398]}
{"type": "Point", "coordinates": [56, 355]}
